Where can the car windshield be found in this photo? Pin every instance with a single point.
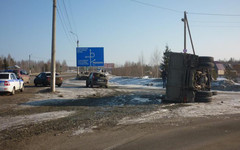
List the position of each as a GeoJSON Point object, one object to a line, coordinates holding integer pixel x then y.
{"type": "Point", "coordinates": [4, 76]}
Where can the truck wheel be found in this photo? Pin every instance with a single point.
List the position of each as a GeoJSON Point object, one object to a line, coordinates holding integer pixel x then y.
{"type": "Point", "coordinates": [203, 94]}
{"type": "Point", "coordinates": [203, 99]}
{"type": "Point", "coordinates": [214, 93]}
{"type": "Point", "coordinates": [205, 59]}
{"type": "Point", "coordinates": [206, 65]}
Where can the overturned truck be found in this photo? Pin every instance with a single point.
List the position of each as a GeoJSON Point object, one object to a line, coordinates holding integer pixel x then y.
{"type": "Point", "coordinates": [189, 78]}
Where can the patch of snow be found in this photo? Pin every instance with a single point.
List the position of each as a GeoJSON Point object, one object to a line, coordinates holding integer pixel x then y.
{"type": "Point", "coordinates": [8, 122]}
{"type": "Point", "coordinates": [82, 130]}
{"type": "Point", "coordinates": [221, 105]}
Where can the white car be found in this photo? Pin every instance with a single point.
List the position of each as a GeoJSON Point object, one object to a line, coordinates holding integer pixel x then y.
{"type": "Point", "coordinates": [10, 83]}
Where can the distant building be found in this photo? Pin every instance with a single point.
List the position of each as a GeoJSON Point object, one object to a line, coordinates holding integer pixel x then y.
{"type": "Point", "coordinates": [108, 67]}
{"type": "Point", "coordinates": [220, 69]}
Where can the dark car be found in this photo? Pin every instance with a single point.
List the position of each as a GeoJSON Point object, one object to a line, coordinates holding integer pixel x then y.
{"type": "Point", "coordinates": [44, 79]}
{"type": "Point", "coordinates": [96, 78]}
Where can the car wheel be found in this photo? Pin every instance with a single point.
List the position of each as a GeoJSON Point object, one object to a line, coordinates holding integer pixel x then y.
{"type": "Point", "coordinates": [22, 89]}
{"type": "Point", "coordinates": [13, 91]}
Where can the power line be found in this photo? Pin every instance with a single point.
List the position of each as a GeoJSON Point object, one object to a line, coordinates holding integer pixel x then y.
{"type": "Point", "coordinates": [156, 6]}
{"type": "Point", "coordinates": [67, 14]}
{"type": "Point", "coordinates": [71, 14]}
{"type": "Point", "coordinates": [216, 26]}
{"type": "Point", "coordinates": [64, 25]}
{"type": "Point", "coordinates": [210, 14]}
{"type": "Point", "coordinates": [178, 11]}
{"type": "Point", "coordinates": [225, 22]}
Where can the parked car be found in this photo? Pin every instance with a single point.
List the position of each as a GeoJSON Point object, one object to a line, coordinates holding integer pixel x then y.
{"type": "Point", "coordinates": [9, 83]}
{"type": "Point", "coordinates": [189, 78]}
{"type": "Point", "coordinates": [96, 78]}
{"type": "Point", "coordinates": [44, 79]}
{"type": "Point", "coordinates": [20, 74]}
{"type": "Point", "coordinates": [83, 76]}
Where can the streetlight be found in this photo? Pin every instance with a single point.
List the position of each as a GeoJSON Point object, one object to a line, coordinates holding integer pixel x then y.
{"type": "Point", "coordinates": [76, 36]}
{"type": "Point", "coordinates": [77, 46]}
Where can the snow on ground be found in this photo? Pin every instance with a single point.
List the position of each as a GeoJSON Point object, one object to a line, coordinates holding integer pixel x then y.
{"type": "Point", "coordinates": [8, 122]}
{"type": "Point", "coordinates": [82, 130]}
{"type": "Point", "coordinates": [222, 104]}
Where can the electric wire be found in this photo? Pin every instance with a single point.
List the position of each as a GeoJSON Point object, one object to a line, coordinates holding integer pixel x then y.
{"type": "Point", "coordinates": [210, 14]}
{"type": "Point", "coordinates": [64, 29]}
{"type": "Point", "coordinates": [64, 22]}
{"type": "Point", "coordinates": [156, 6]}
{"type": "Point", "coordinates": [178, 11]}
{"type": "Point", "coordinates": [64, 25]}
{"type": "Point", "coordinates": [67, 14]}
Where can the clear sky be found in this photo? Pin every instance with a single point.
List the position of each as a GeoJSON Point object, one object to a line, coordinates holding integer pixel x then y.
{"type": "Point", "coordinates": [125, 28]}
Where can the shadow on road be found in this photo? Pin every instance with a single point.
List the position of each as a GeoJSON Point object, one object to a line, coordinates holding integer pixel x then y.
{"type": "Point", "coordinates": [121, 100]}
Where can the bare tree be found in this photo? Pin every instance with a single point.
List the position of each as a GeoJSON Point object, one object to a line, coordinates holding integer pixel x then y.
{"type": "Point", "coordinates": [155, 61]}
{"type": "Point", "coordinates": [141, 63]}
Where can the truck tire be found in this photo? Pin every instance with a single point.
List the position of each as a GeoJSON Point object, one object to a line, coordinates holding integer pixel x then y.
{"type": "Point", "coordinates": [214, 93]}
{"type": "Point", "coordinates": [206, 65]}
{"type": "Point", "coordinates": [203, 94]}
{"type": "Point", "coordinates": [203, 99]}
{"type": "Point", "coordinates": [205, 59]}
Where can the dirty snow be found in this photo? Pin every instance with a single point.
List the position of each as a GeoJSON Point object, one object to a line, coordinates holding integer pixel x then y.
{"type": "Point", "coordinates": [83, 130]}
{"type": "Point", "coordinates": [8, 122]}
{"type": "Point", "coordinates": [222, 104]}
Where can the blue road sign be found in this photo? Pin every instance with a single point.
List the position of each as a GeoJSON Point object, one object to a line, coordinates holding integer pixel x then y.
{"type": "Point", "coordinates": [90, 56]}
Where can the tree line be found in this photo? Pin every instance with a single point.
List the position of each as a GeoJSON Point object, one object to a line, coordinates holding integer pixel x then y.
{"type": "Point", "coordinates": [140, 69]}
{"type": "Point", "coordinates": [31, 66]}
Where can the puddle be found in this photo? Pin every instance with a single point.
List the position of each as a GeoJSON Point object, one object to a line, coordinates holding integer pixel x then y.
{"type": "Point", "coordinates": [106, 101]}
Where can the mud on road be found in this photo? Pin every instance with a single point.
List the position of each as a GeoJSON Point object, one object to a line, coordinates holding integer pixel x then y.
{"type": "Point", "coordinates": [75, 116]}
{"type": "Point", "coordinates": [73, 106]}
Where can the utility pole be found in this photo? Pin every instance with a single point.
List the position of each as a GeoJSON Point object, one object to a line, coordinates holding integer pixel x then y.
{"type": "Point", "coordinates": [29, 66]}
{"type": "Point", "coordinates": [185, 32]}
{"type": "Point", "coordinates": [53, 56]}
{"type": "Point", "coordinates": [186, 25]}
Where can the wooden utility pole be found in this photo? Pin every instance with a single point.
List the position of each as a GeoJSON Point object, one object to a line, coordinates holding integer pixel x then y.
{"type": "Point", "coordinates": [186, 25]}
{"type": "Point", "coordinates": [53, 56]}
{"type": "Point", "coordinates": [185, 32]}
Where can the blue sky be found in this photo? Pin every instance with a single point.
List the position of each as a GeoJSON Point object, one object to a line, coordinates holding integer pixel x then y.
{"type": "Point", "coordinates": [124, 28]}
